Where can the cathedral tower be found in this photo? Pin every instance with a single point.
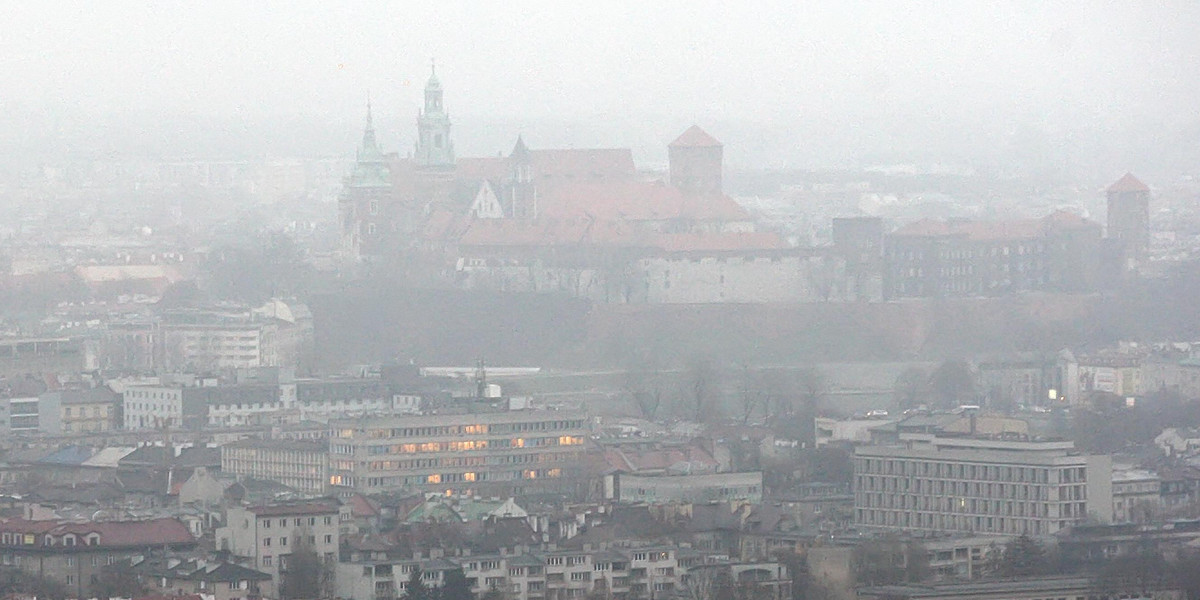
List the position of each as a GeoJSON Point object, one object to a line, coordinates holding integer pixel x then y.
{"type": "Point", "coordinates": [434, 148]}
{"type": "Point", "coordinates": [696, 162]}
{"type": "Point", "coordinates": [363, 204]}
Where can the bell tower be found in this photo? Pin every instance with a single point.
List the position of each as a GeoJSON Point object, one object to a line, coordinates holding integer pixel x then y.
{"type": "Point", "coordinates": [434, 149]}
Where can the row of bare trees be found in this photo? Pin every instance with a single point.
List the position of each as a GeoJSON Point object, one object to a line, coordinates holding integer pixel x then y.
{"type": "Point", "coordinates": [701, 391]}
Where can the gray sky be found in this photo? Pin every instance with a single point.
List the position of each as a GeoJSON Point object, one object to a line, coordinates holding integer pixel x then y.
{"type": "Point", "coordinates": [935, 66]}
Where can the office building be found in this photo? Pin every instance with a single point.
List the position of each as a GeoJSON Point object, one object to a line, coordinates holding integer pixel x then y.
{"type": "Point", "coordinates": [502, 453]}
{"type": "Point", "coordinates": [976, 484]}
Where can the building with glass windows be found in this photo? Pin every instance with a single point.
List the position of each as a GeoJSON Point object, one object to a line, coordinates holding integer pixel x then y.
{"type": "Point", "coordinates": [506, 453]}
{"type": "Point", "coordinates": [979, 484]}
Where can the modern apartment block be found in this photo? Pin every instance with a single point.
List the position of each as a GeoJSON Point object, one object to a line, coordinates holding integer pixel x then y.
{"type": "Point", "coordinates": [502, 453]}
{"type": "Point", "coordinates": [617, 573]}
{"type": "Point", "coordinates": [300, 464]}
{"type": "Point", "coordinates": [979, 485]}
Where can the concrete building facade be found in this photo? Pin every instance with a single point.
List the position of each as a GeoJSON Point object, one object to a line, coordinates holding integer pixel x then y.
{"type": "Point", "coordinates": [973, 484]}
{"type": "Point", "coordinates": [506, 453]}
{"type": "Point", "coordinates": [269, 534]}
{"type": "Point", "coordinates": [300, 464]}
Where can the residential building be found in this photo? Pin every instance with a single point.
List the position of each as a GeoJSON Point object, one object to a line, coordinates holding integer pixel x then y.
{"type": "Point", "coordinates": [268, 534]}
{"type": "Point", "coordinates": [19, 356]}
{"type": "Point", "coordinates": [620, 573]}
{"type": "Point", "coordinates": [505, 453]}
{"type": "Point", "coordinates": [999, 485]}
{"type": "Point", "coordinates": [1136, 495]}
{"type": "Point", "coordinates": [75, 554]}
{"type": "Point", "coordinates": [87, 410]}
{"type": "Point", "coordinates": [276, 334]}
{"type": "Point", "coordinates": [196, 406]}
{"type": "Point", "coordinates": [300, 464]}
{"type": "Point", "coordinates": [219, 580]}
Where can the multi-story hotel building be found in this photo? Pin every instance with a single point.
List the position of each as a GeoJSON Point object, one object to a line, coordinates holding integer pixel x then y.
{"type": "Point", "coordinates": [979, 485]}
{"type": "Point", "coordinates": [508, 453]}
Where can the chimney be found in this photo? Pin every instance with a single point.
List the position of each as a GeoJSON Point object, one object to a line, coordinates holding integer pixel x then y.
{"type": "Point", "coordinates": [972, 416]}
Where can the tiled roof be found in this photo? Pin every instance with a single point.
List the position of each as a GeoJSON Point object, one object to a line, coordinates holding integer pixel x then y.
{"type": "Point", "coordinates": [1128, 183]}
{"type": "Point", "coordinates": [113, 534]}
{"type": "Point", "coordinates": [695, 137]}
{"type": "Point", "coordinates": [478, 169]}
{"type": "Point", "coordinates": [636, 201]}
{"type": "Point", "coordinates": [582, 165]}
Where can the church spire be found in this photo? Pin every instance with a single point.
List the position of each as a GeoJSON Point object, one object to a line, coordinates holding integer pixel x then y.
{"type": "Point", "coordinates": [369, 149]}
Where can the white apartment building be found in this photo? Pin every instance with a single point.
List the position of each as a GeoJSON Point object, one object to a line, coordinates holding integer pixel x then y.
{"type": "Point", "coordinates": [267, 535]}
{"type": "Point", "coordinates": [532, 575]}
{"type": "Point", "coordinates": [152, 406]}
{"type": "Point", "coordinates": [300, 464]}
{"type": "Point", "coordinates": [222, 346]}
{"type": "Point", "coordinates": [978, 485]}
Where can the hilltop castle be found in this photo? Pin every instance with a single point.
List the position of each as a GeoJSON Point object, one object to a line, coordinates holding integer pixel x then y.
{"type": "Point", "coordinates": [578, 221]}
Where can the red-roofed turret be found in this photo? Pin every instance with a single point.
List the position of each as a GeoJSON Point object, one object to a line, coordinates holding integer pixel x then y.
{"type": "Point", "coordinates": [696, 162]}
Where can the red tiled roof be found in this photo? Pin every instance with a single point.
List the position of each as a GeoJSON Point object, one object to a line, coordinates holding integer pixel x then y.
{"type": "Point", "coordinates": [303, 508]}
{"type": "Point", "coordinates": [583, 165]}
{"type": "Point", "coordinates": [637, 201]}
{"type": "Point", "coordinates": [363, 506]}
{"type": "Point", "coordinates": [1128, 183]}
{"type": "Point", "coordinates": [113, 534]}
{"type": "Point", "coordinates": [444, 225]}
{"type": "Point", "coordinates": [477, 169]}
{"type": "Point", "coordinates": [695, 137]}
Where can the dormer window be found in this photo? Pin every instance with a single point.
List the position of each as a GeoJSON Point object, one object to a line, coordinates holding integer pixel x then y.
{"type": "Point", "coordinates": [69, 540]}
{"type": "Point", "coordinates": [93, 539]}
{"type": "Point", "coordinates": [48, 540]}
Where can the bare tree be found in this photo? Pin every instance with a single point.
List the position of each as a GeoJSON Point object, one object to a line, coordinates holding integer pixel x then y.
{"type": "Point", "coordinates": [645, 389]}
{"type": "Point", "coordinates": [911, 388]}
{"type": "Point", "coordinates": [750, 396]}
{"type": "Point", "coordinates": [701, 388]}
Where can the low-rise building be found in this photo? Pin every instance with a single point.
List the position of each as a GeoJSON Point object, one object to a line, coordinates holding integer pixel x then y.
{"type": "Point", "coordinates": [87, 410]}
{"type": "Point", "coordinates": [1136, 495]}
{"type": "Point", "coordinates": [209, 578]}
{"type": "Point", "coordinates": [75, 554]}
{"type": "Point", "coordinates": [659, 489]}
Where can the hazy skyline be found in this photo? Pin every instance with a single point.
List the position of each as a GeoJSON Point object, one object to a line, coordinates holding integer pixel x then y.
{"type": "Point", "coordinates": [868, 72]}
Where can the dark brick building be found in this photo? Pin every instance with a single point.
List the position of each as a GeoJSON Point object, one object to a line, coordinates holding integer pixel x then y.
{"type": "Point", "coordinates": [930, 259]}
